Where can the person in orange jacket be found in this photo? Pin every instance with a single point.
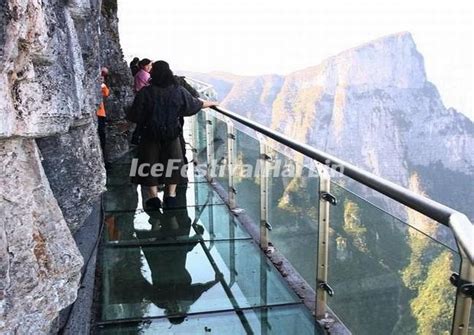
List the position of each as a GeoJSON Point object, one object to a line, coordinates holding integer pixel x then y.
{"type": "Point", "coordinates": [101, 116]}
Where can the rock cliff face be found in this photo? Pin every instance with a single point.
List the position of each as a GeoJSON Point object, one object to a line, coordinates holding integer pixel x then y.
{"type": "Point", "coordinates": [119, 80]}
{"type": "Point", "coordinates": [372, 106]}
{"type": "Point", "coordinates": [51, 162]}
{"type": "Point", "coordinates": [40, 263]}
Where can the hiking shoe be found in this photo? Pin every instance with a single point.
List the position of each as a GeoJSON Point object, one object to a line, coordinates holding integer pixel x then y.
{"type": "Point", "coordinates": [170, 202]}
{"type": "Point", "coordinates": [154, 203]}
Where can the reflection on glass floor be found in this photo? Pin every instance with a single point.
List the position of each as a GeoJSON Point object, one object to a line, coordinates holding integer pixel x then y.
{"type": "Point", "coordinates": [190, 270]}
{"type": "Point", "coordinates": [265, 320]}
{"type": "Point", "coordinates": [129, 198]}
{"type": "Point", "coordinates": [207, 222]}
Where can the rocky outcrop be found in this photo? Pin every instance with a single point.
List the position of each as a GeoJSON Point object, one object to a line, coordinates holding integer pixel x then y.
{"type": "Point", "coordinates": [40, 264]}
{"type": "Point", "coordinates": [259, 92]}
{"type": "Point", "coordinates": [50, 157]}
{"type": "Point", "coordinates": [76, 175]}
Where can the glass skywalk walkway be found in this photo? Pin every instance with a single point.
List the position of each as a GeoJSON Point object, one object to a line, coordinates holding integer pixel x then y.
{"type": "Point", "coordinates": [362, 254]}
{"type": "Point", "coordinates": [190, 270]}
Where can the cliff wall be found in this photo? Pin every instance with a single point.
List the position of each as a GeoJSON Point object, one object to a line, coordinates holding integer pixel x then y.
{"type": "Point", "coordinates": [51, 163]}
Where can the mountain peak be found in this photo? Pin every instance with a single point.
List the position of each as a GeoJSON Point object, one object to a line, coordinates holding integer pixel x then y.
{"type": "Point", "coordinates": [390, 61]}
{"type": "Point", "coordinates": [394, 40]}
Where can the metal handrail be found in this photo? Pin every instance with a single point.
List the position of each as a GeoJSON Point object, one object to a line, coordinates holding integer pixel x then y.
{"type": "Point", "coordinates": [461, 226]}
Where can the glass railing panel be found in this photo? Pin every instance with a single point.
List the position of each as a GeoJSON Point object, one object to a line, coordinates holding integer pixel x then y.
{"type": "Point", "coordinates": [246, 175]}
{"type": "Point", "coordinates": [293, 213]}
{"type": "Point", "coordinates": [386, 274]}
{"type": "Point", "coordinates": [441, 233]}
{"type": "Point", "coordinates": [220, 153]}
{"type": "Point", "coordinates": [200, 141]}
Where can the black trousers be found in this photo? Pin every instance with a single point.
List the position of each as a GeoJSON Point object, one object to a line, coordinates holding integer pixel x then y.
{"type": "Point", "coordinates": [101, 131]}
{"type": "Point", "coordinates": [138, 134]}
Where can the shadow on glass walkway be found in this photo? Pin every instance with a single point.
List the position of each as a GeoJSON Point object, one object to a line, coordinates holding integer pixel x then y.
{"type": "Point", "coordinates": [190, 270]}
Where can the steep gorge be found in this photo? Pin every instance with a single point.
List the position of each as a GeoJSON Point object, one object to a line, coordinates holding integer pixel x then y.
{"type": "Point", "coordinates": [372, 106]}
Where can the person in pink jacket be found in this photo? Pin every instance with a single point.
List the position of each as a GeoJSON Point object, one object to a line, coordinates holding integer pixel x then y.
{"type": "Point", "coordinates": [142, 78]}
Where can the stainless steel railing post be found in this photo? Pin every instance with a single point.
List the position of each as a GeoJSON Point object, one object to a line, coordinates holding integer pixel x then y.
{"type": "Point", "coordinates": [195, 137]}
{"type": "Point", "coordinates": [263, 165]}
{"type": "Point", "coordinates": [231, 158]}
{"type": "Point", "coordinates": [323, 242]}
{"type": "Point", "coordinates": [263, 295]}
{"type": "Point", "coordinates": [210, 147]}
{"type": "Point", "coordinates": [463, 304]}
{"type": "Point", "coordinates": [263, 171]}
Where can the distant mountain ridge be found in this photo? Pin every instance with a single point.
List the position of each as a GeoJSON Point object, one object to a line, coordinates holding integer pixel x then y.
{"type": "Point", "coordinates": [373, 106]}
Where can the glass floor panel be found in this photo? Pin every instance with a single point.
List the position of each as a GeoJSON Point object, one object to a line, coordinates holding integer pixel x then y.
{"type": "Point", "coordinates": [119, 174]}
{"type": "Point", "coordinates": [119, 171]}
{"type": "Point", "coordinates": [191, 270]}
{"type": "Point", "coordinates": [132, 153]}
{"type": "Point", "coordinates": [129, 197]}
{"type": "Point", "coordinates": [272, 321]}
{"type": "Point", "coordinates": [212, 222]}
{"type": "Point", "coordinates": [166, 280]}
{"type": "Point", "coordinates": [251, 277]}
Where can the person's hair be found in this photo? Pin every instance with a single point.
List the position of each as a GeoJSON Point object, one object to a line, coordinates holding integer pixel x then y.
{"type": "Point", "coordinates": [144, 62]}
{"type": "Point", "coordinates": [161, 74]}
{"type": "Point", "coordinates": [134, 61]}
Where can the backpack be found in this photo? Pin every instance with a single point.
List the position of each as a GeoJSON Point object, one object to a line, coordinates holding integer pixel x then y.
{"type": "Point", "coordinates": [163, 123]}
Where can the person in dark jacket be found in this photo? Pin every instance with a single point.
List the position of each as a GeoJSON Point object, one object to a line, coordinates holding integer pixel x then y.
{"type": "Point", "coordinates": [180, 80]}
{"type": "Point", "coordinates": [160, 145]}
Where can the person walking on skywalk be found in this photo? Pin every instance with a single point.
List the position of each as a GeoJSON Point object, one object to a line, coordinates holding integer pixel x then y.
{"type": "Point", "coordinates": [158, 108]}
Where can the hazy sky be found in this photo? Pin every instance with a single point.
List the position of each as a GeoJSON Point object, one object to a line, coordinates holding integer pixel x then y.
{"type": "Point", "coordinates": [272, 36]}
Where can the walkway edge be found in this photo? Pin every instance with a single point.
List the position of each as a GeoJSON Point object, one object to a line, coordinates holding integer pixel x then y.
{"type": "Point", "coordinates": [76, 319]}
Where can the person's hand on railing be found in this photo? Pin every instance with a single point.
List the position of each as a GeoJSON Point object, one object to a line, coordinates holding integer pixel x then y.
{"type": "Point", "coordinates": [207, 103]}
{"type": "Point", "coordinates": [219, 276]}
{"type": "Point", "coordinates": [198, 228]}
